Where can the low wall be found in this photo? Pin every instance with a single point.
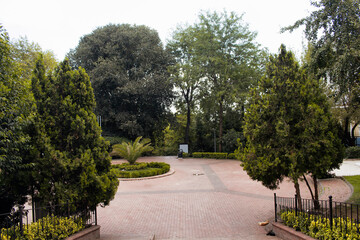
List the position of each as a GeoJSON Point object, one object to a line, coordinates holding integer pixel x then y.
{"type": "Point", "coordinates": [288, 233]}
{"type": "Point", "coordinates": [90, 233]}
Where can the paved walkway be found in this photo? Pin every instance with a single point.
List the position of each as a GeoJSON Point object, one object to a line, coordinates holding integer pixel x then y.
{"type": "Point", "coordinates": [203, 199]}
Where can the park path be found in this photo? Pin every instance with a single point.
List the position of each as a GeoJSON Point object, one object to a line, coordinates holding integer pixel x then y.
{"type": "Point", "coordinates": [203, 199]}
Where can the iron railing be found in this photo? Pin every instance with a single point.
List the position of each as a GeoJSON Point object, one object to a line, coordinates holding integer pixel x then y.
{"type": "Point", "coordinates": [323, 209]}
{"type": "Point", "coordinates": [21, 218]}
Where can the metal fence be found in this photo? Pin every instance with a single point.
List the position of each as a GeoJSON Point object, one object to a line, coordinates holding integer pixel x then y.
{"type": "Point", "coordinates": [336, 212]}
{"type": "Point", "coordinates": [20, 218]}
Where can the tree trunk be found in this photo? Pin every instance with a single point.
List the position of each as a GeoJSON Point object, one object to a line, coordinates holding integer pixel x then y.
{"type": "Point", "coordinates": [316, 189]}
{"type": "Point", "coordinates": [188, 121]}
{"type": "Point", "coordinates": [297, 191]}
{"type": "Point", "coordinates": [220, 124]}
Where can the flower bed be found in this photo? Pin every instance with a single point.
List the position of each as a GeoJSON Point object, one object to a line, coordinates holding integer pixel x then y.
{"type": "Point", "coordinates": [139, 170]}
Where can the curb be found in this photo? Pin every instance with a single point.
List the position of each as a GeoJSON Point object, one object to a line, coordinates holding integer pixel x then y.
{"type": "Point", "coordinates": [169, 173]}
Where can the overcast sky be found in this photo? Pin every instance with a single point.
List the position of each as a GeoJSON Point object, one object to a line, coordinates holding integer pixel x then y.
{"type": "Point", "coordinates": [58, 25]}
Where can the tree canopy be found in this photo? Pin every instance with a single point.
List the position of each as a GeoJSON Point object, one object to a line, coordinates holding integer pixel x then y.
{"type": "Point", "coordinates": [218, 55]}
{"type": "Point", "coordinates": [77, 168]}
{"type": "Point", "coordinates": [16, 116]}
{"type": "Point", "coordinates": [289, 128]}
{"type": "Point", "coordinates": [333, 31]}
{"type": "Point", "coordinates": [127, 65]}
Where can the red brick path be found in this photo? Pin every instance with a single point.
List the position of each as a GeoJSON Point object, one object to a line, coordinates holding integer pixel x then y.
{"type": "Point", "coordinates": [204, 199]}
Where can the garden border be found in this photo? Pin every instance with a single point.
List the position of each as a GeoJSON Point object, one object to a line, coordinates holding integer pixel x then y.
{"type": "Point", "coordinates": [285, 232]}
{"type": "Point", "coordinates": [90, 233]}
{"type": "Point", "coordinates": [169, 173]}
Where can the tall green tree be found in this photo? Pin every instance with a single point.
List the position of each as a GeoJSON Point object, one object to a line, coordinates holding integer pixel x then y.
{"type": "Point", "coordinates": [127, 65]}
{"type": "Point", "coordinates": [334, 33]}
{"type": "Point", "coordinates": [16, 115]}
{"type": "Point", "coordinates": [185, 73]}
{"type": "Point", "coordinates": [25, 53]}
{"type": "Point", "coordinates": [80, 169]}
{"type": "Point", "coordinates": [229, 60]}
{"type": "Point", "coordinates": [289, 128]}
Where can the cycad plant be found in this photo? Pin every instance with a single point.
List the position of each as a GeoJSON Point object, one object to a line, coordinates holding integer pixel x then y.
{"type": "Point", "coordinates": [131, 151]}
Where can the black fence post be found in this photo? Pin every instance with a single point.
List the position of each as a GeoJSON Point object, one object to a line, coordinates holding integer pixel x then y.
{"type": "Point", "coordinates": [21, 208]}
{"type": "Point", "coordinates": [68, 208]}
{"type": "Point", "coordinates": [275, 207]}
{"type": "Point", "coordinates": [331, 212]}
{"type": "Point", "coordinates": [296, 205]}
{"type": "Point", "coordinates": [95, 216]}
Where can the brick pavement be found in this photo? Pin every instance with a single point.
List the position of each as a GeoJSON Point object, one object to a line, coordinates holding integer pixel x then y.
{"type": "Point", "coordinates": [203, 199]}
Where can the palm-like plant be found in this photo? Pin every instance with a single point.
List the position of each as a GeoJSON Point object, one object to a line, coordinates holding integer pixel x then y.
{"type": "Point", "coordinates": [131, 151]}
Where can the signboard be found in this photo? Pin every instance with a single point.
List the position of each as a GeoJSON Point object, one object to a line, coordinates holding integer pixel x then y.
{"type": "Point", "coordinates": [184, 147]}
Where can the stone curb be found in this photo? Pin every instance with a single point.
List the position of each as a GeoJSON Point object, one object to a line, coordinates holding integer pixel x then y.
{"type": "Point", "coordinates": [170, 172]}
{"type": "Point", "coordinates": [285, 232]}
{"type": "Point", "coordinates": [90, 233]}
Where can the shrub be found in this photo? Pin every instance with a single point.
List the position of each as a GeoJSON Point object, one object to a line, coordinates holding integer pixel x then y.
{"type": "Point", "coordinates": [50, 227]}
{"type": "Point", "coordinates": [352, 152]}
{"type": "Point", "coordinates": [215, 155]}
{"type": "Point", "coordinates": [131, 151]}
{"type": "Point", "coordinates": [231, 156]}
{"type": "Point", "coordinates": [319, 227]}
{"type": "Point", "coordinates": [138, 170]}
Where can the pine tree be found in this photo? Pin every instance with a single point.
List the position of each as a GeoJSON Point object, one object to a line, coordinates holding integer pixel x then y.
{"type": "Point", "coordinates": [289, 128]}
{"type": "Point", "coordinates": [65, 104]}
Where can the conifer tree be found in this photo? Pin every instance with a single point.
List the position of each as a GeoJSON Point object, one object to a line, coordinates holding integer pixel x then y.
{"type": "Point", "coordinates": [82, 174]}
{"type": "Point", "coordinates": [289, 128]}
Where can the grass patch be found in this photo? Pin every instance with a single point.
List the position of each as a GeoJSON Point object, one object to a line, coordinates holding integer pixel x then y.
{"type": "Point", "coordinates": [139, 170]}
{"type": "Point", "coordinates": [355, 182]}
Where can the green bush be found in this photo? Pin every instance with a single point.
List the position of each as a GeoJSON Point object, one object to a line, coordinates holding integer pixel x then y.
{"type": "Point", "coordinates": [215, 155]}
{"type": "Point", "coordinates": [319, 227]}
{"type": "Point", "coordinates": [49, 227]}
{"type": "Point", "coordinates": [352, 152]}
{"type": "Point", "coordinates": [115, 140]}
{"type": "Point", "coordinates": [138, 170]}
{"type": "Point", "coordinates": [231, 156]}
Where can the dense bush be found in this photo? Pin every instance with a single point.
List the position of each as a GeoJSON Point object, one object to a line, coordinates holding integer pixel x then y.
{"type": "Point", "coordinates": [138, 170]}
{"type": "Point", "coordinates": [352, 152]}
{"type": "Point", "coordinates": [49, 227]}
{"type": "Point", "coordinates": [115, 140]}
{"type": "Point", "coordinates": [215, 155]}
{"type": "Point", "coordinates": [319, 227]}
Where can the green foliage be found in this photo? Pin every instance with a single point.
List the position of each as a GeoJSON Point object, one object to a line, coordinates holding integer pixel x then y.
{"type": "Point", "coordinates": [115, 140]}
{"type": "Point", "coordinates": [352, 152]}
{"type": "Point", "coordinates": [131, 151]}
{"type": "Point", "coordinates": [49, 227]}
{"type": "Point", "coordinates": [215, 155]}
{"type": "Point", "coordinates": [127, 65]}
{"type": "Point", "coordinates": [289, 128]}
{"type": "Point", "coordinates": [217, 59]}
{"type": "Point", "coordinates": [77, 165]}
{"type": "Point", "coordinates": [16, 118]}
{"type": "Point", "coordinates": [333, 31]}
{"type": "Point", "coordinates": [138, 170]}
{"type": "Point", "coordinates": [319, 227]}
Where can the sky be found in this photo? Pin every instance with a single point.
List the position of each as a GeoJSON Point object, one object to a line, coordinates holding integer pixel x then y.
{"type": "Point", "coordinates": [58, 25]}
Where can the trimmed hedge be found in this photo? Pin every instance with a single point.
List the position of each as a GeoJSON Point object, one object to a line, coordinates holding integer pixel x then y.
{"type": "Point", "coordinates": [49, 227]}
{"type": "Point", "coordinates": [352, 152]}
{"type": "Point", "coordinates": [139, 170]}
{"type": "Point", "coordinates": [215, 155]}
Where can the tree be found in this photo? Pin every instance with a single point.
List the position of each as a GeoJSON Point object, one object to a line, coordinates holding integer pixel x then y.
{"type": "Point", "coordinates": [16, 115]}
{"type": "Point", "coordinates": [25, 53]}
{"type": "Point", "coordinates": [127, 65]}
{"type": "Point", "coordinates": [289, 128]}
{"type": "Point", "coordinates": [79, 168]}
{"type": "Point", "coordinates": [334, 33]}
{"type": "Point", "coordinates": [185, 73]}
{"type": "Point", "coordinates": [131, 151]}
{"type": "Point", "coordinates": [229, 62]}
